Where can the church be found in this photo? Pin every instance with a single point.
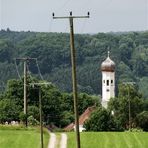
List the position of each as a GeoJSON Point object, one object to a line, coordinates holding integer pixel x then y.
{"type": "Point", "coordinates": [108, 80]}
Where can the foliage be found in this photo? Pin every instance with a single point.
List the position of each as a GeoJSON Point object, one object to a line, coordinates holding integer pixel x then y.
{"type": "Point", "coordinates": [32, 121]}
{"type": "Point", "coordinates": [57, 107]}
{"type": "Point", "coordinates": [34, 112]}
{"type": "Point", "coordinates": [142, 120]}
{"type": "Point", "coordinates": [128, 98]}
{"type": "Point", "coordinates": [128, 50]}
{"type": "Point", "coordinates": [67, 118]}
{"type": "Point", "coordinates": [9, 111]}
{"type": "Point", "coordinates": [136, 130]}
{"type": "Point", "coordinates": [100, 120]}
{"type": "Point", "coordinates": [23, 117]}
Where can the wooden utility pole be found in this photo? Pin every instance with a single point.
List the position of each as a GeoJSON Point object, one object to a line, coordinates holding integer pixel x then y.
{"type": "Point", "coordinates": [25, 90]}
{"type": "Point", "coordinates": [41, 123]}
{"type": "Point", "coordinates": [38, 86]}
{"type": "Point", "coordinates": [25, 83]}
{"type": "Point", "coordinates": [128, 84]}
{"type": "Point", "coordinates": [74, 77]}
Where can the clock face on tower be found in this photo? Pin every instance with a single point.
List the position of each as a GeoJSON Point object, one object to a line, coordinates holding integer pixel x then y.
{"type": "Point", "coordinates": [107, 90]}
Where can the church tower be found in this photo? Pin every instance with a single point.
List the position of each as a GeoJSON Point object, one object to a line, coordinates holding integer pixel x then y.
{"type": "Point", "coordinates": [108, 80]}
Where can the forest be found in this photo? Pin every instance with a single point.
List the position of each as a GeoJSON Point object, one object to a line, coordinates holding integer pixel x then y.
{"type": "Point", "coordinates": [129, 50]}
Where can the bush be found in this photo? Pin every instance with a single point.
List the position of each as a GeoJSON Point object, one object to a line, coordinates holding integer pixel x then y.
{"type": "Point", "coordinates": [23, 117]}
{"type": "Point", "coordinates": [142, 120]}
{"type": "Point", "coordinates": [32, 121]}
{"type": "Point", "coordinates": [136, 130]}
{"type": "Point", "coordinates": [100, 120]}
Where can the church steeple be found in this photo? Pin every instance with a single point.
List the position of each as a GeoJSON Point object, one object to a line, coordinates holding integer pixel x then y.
{"type": "Point", "coordinates": [108, 80]}
{"type": "Point", "coordinates": [108, 64]}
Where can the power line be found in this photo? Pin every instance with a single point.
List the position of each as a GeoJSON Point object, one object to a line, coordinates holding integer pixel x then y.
{"type": "Point", "coordinates": [29, 72]}
{"type": "Point", "coordinates": [83, 26]}
{"type": "Point", "coordinates": [63, 5]}
{"type": "Point", "coordinates": [17, 69]}
{"type": "Point", "coordinates": [39, 71]}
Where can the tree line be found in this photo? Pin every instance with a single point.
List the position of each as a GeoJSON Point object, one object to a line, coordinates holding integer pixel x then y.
{"type": "Point", "coordinates": [129, 50]}
{"type": "Point", "coordinates": [57, 106]}
{"type": "Point", "coordinates": [58, 110]}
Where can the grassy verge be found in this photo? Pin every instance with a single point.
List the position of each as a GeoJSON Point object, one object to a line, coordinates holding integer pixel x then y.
{"type": "Point", "coordinates": [20, 137]}
{"type": "Point", "coordinates": [58, 139]}
{"type": "Point", "coordinates": [110, 140]}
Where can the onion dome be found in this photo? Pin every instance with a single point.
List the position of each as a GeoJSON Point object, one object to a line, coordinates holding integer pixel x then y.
{"type": "Point", "coordinates": [108, 65]}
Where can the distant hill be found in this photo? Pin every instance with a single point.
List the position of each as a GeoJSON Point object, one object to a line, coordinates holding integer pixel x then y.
{"type": "Point", "coordinates": [128, 50]}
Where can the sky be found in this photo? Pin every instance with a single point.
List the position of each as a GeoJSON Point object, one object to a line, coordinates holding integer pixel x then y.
{"type": "Point", "coordinates": [105, 15]}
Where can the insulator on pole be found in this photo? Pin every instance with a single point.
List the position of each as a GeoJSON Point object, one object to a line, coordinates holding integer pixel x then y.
{"type": "Point", "coordinates": [70, 13]}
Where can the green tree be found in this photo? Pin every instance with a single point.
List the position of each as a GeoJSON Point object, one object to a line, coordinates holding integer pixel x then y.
{"type": "Point", "coordinates": [51, 104]}
{"type": "Point", "coordinates": [142, 120]}
{"type": "Point", "coordinates": [34, 112]}
{"type": "Point", "coordinates": [128, 95]}
{"type": "Point", "coordinates": [100, 120]}
{"type": "Point", "coordinates": [66, 118]}
{"type": "Point", "coordinates": [9, 111]}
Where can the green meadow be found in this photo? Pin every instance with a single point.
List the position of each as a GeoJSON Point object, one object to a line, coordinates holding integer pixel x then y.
{"type": "Point", "coordinates": [110, 140]}
{"type": "Point", "coordinates": [22, 138]}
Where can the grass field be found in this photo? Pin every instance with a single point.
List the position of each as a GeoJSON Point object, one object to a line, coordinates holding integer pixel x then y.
{"type": "Point", "coordinates": [110, 140]}
{"type": "Point", "coordinates": [13, 138]}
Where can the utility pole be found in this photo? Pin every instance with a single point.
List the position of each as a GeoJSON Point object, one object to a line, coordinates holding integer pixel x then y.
{"type": "Point", "coordinates": [128, 84]}
{"type": "Point", "coordinates": [25, 90]}
{"type": "Point", "coordinates": [25, 84]}
{"type": "Point", "coordinates": [74, 77]}
{"type": "Point", "coordinates": [40, 109]}
{"type": "Point", "coordinates": [41, 123]}
{"type": "Point", "coordinates": [129, 108]}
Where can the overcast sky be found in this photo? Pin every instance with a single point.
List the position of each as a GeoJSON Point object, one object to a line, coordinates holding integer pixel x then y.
{"type": "Point", "coordinates": [106, 15]}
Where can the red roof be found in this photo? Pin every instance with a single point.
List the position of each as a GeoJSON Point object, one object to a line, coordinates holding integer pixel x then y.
{"type": "Point", "coordinates": [82, 118]}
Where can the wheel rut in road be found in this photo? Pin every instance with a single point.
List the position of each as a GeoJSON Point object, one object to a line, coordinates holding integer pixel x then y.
{"type": "Point", "coordinates": [55, 143]}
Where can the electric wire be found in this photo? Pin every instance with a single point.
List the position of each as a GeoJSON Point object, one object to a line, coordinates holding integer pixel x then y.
{"type": "Point", "coordinates": [83, 26]}
{"type": "Point", "coordinates": [39, 71]}
{"type": "Point", "coordinates": [29, 72]}
{"type": "Point", "coordinates": [64, 5]}
{"type": "Point", "coordinates": [57, 10]}
{"type": "Point", "coordinates": [17, 69]}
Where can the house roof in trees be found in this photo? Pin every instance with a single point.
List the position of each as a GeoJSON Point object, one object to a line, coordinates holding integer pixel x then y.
{"type": "Point", "coordinates": [82, 118]}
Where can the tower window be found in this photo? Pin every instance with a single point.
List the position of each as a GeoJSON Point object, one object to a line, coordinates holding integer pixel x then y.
{"type": "Point", "coordinates": [111, 81]}
{"type": "Point", "coordinates": [107, 82]}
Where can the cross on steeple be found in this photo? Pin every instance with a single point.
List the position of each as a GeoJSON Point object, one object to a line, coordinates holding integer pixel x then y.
{"type": "Point", "coordinates": [108, 53]}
